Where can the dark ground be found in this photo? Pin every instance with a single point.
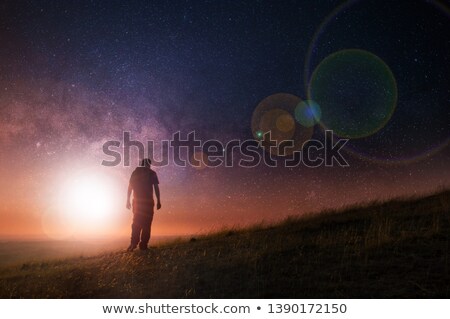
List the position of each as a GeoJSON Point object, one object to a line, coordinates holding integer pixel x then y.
{"type": "Point", "coordinates": [396, 249]}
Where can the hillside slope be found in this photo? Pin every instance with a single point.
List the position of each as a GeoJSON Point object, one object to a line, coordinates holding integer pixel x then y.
{"type": "Point", "coordinates": [394, 249]}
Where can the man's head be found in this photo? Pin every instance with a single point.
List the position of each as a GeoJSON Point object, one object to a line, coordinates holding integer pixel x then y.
{"type": "Point", "coordinates": [146, 162]}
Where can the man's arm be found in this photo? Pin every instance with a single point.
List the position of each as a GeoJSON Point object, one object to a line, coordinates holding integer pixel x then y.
{"type": "Point", "coordinates": [128, 196]}
{"type": "Point", "coordinates": [158, 204]}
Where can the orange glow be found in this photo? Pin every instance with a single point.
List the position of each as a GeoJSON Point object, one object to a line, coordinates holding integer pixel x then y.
{"type": "Point", "coordinates": [87, 204]}
{"type": "Point", "coordinates": [89, 198]}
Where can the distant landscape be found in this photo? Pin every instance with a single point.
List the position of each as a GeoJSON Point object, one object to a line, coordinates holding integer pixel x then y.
{"type": "Point", "coordinates": [13, 252]}
{"type": "Point", "coordinates": [394, 249]}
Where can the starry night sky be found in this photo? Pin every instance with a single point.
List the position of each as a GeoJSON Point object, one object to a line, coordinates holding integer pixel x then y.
{"type": "Point", "coordinates": [74, 74]}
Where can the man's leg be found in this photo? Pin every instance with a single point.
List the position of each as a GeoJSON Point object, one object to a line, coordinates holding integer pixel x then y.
{"type": "Point", "coordinates": [146, 231]}
{"type": "Point", "coordinates": [135, 231]}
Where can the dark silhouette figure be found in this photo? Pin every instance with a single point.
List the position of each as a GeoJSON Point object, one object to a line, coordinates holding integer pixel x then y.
{"type": "Point", "coordinates": [142, 181]}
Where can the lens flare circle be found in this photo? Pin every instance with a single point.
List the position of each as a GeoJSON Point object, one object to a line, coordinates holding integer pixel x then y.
{"type": "Point", "coordinates": [314, 49]}
{"type": "Point", "coordinates": [308, 113]}
{"type": "Point", "coordinates": [285, 122]}
{"type": "Point", "coordinates": [319, 31]}
{"type": "Point", "coordinates": [279, 122]}
{"type": "Point", "coordinates": [275, 115]}
{"type": "Point", "coordinates": [397, 161]}
{"type": "Point", "coordinates": [333, 16]}
{"type": "Point", "coordinates": [356, 91]}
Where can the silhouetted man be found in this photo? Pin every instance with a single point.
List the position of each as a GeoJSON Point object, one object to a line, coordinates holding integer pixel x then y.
{"type": "Point", "coordinates": [142, 181]}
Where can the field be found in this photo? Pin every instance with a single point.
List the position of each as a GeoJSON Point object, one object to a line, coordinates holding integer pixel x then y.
{"type": "Point", "coordinates": [393, 249]}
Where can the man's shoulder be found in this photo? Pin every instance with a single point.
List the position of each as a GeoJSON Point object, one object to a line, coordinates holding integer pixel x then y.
{"type": "Point", "coordinates": [133, 174]}
{"type": "Point", "coordinates": [154, 177]}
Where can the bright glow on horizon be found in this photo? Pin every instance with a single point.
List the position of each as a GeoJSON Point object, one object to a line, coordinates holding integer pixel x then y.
{"type": "Point", "coordinates": [88, 204]}
{"type": "Point", "coordinates": [89, 198]}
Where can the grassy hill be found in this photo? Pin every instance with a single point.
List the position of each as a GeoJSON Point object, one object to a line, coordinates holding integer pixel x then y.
{"type": "Point", "coordinates": [398, 248]}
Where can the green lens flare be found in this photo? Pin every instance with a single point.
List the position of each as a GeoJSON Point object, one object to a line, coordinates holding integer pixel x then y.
{"type": "Point", "coordinates": [356, 91]}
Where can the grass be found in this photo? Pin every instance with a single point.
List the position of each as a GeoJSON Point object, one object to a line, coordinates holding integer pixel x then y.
{"type": "Point", "coordinates": [393, 249]}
